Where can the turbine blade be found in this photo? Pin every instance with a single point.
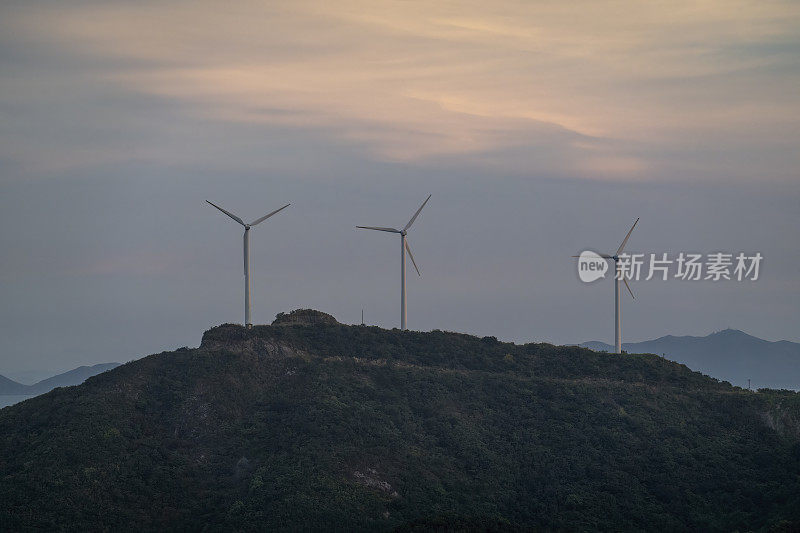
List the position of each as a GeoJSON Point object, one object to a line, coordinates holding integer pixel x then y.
{"type": "Point", "coordinates": [234, 217]}
{"type": "Point", "coordinates": [621, 246]}
{"type": "Point", "coordinates": [600, 255]}
{"type": "Point", "coordinates": [390, 230]}
{"type": "Point", "coordinates": [265, 217]}
{"type": "Point", "coordinates": [629, 288]}
{"type": "Point", "coordinates": [417, 213]}
{"type": "Point", "coordinates": [408, 249]}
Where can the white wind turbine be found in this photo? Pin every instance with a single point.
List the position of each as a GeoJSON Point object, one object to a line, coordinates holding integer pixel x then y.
{"type": "Point", "coordinates": [619, 277]}
{"type": "Point", "coordinates": [247, 227]}
{"type": "Point", "coordinates": [404, 247]}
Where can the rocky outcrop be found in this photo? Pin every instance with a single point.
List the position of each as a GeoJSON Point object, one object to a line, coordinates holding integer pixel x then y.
{"type": "Point", "coordinates": [231, 335]}
{"type": "Point", "coordinates": [256, 341]}
{"type": "Point", "coordinates": [304, 317]}
{"type": "Point", "coordinates": [370, 478]}
{"type": "Point", "coordinates": [783, 421]}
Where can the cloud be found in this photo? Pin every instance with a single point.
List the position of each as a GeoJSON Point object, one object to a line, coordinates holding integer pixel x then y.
{"type": "Point", "coordinates": [422, 81]}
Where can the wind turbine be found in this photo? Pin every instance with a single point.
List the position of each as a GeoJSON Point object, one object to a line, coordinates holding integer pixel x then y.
{"type": "Point", "coordinates": [247, 227]}
{"type": "Point", "coordinates": [404, 247]}
{"type": "Point", "coordinates": [619, 277]}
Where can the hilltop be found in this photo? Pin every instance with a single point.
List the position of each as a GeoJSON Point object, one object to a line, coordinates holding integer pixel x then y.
{"type": "Point", "coordinates": [730, 354]}
{"type": "Point", "coordinates": [308, 424]}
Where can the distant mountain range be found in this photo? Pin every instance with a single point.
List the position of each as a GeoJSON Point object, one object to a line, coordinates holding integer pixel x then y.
{"type": "Point", "coordinates": [730, 355]}
{"type": "Point", "coordinates": [75, 376]}
{"type": "Point", "coordinates": [9, 386]}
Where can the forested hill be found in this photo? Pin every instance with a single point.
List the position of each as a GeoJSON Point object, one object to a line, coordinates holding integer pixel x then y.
{"type": "Point", "coordinates": [312, 425]}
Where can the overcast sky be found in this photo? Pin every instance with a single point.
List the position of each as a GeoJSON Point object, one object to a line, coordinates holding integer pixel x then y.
{"type": "Point", "coordinates": [541, 129]}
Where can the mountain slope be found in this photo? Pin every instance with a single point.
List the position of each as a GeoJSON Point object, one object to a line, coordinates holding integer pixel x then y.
{"type": "Point", "coordinates": [9, 386]}
{"type": "Point", "coordinates": [730, 355]}
{"type": "Point", "coordinates": [72, 377]}
{"type": "Point", "coordinates": [75, 376]}
{"type": "Point", "coordinates": [301, 427]}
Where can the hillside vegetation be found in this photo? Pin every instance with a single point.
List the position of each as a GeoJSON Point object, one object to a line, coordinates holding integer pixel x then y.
{"type": "Point", "coordinates": [325, 426]}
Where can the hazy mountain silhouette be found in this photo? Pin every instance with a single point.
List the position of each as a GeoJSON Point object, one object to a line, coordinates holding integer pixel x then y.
{"type": "Point", "coordinates": [9, 386]}
{"type": "Point", "coordinates": [730, 355]}
{"type": "Point", "coordinates": [310, 425]}
{"type": "Point", "coordinates": [75, 376]}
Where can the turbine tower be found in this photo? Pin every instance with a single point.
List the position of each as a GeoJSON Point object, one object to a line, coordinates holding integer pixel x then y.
{"type": "Point", "coordinates": [618, 279]}
{"type": "Point", "coordinates": [246, 244]}
{"type": "Point", "coordinates": [404, 247]}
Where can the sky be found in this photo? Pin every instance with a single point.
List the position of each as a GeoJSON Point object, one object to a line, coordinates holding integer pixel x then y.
{"type": "Point", "coordinates": [541, 129]}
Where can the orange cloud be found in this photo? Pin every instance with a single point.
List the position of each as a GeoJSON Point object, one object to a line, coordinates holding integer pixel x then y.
{"type": "Point", "coordinates": [414, 80]}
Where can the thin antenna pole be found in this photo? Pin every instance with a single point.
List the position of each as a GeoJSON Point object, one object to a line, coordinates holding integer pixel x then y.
{"type": "Point", "coordinates": [362, 316]}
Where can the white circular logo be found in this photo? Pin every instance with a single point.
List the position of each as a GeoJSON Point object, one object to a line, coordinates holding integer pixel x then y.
{"type": "Point", "coordinates": [591, 266]}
